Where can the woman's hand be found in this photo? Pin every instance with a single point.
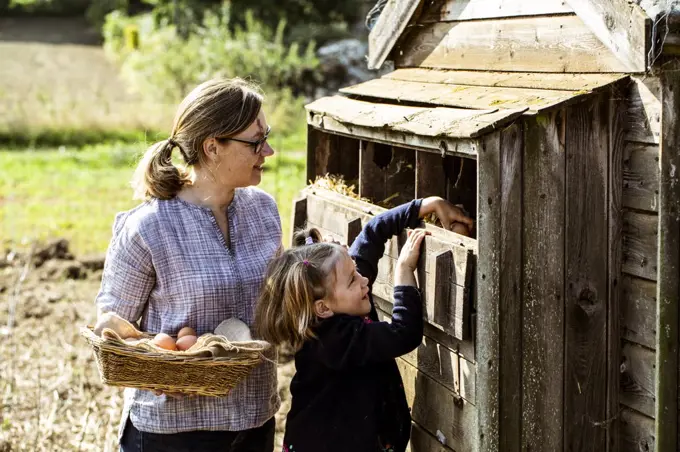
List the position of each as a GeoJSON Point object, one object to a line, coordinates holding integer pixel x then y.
{"type": "Point", "coordinates": [447, 213]}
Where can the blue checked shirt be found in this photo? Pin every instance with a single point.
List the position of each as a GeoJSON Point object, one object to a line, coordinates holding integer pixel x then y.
{"type": "Point", "coordinates": [168, 266]}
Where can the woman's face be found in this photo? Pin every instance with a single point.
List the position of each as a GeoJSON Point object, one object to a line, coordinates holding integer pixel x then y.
{"type": "Point", "coordinates": [239, 164]}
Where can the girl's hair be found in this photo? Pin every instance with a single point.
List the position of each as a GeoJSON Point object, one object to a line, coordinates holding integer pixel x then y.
{"type": "Point", "coordinates": [295, 280]}
{"type": "Point", "coordinates": [217, 108]}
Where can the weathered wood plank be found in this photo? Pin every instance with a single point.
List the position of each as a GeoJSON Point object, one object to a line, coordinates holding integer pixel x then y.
{"type": "Point", "coordinates": [448, 146]}
{"type": "Point", "coordinates": [644, 111]}
{"type": "Point", "coordinates": [541, 44]}
{"type": "Point", "coordinates": [390, 25]}
{"type": "Point", "coordinates": [617, 124]}
{"type": "Point", "coordinates": [510, 286]}
{"type": "Point", "coordinates": [641, 176]}
{"type": "Point", "coordinates": [422, 441]}
{"type": "Point", "coordinates": [387, 174]}
{"type": "Point", "coordinates": [465, 349]}
{"type": "Point", "coordinates": [330, 153]}
{"type": "Point", "coordinates": [461, 183]}
{"type": "Point", "coordinates": [430, 175]}
{"type": "Point", "coordinates": [638, 311]}
{"type": "Point", "coordinates": [428, 122]}
{"type": "Point", "coordinates": [442, 364]}
{"type": "Point", "coordinates": [489, 292]}
{"type": "Point", "coordinates": [355, 206]}
{"type": "Point", "coordinates": [668, 286]}
{"type": "Point", "coordinates": [640, 244]}
{"type": "Point", "coordinates": [637, 432]}
{"type": "Point", "coordinates": [461, 96]}
{"type": "Point", "coordinates": [637, 378]}
{"type": "Point", "coordinates": [586, 272]}
{"type": "Point", "coordinates": [543, 284]}
{"type": "Point", "coordinates": [450, 314]}
{"type": "Point", "coordinates": [455, 10]}
{"type": "Point", "coordinates": [621, 25]}
{"type": "Point", "coordinates": [436, 408]}
{"type": "Point", "coordinates": [531, 80]}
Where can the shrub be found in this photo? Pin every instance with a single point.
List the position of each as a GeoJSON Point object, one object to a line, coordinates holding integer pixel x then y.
{"type": "Point", "coordinates": [166, 66]}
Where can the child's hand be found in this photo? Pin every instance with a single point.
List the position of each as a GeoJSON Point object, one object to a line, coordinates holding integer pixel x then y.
{"type": "Point", "coordinates": [408, 257]}
{"type": "Point", "coordinates": [447, 213]}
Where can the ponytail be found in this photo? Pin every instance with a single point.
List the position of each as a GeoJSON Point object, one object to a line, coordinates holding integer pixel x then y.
{"type": "Point", "coordinates": [295, 281]}
{"type": "Point", "coordinates": [156, 176]}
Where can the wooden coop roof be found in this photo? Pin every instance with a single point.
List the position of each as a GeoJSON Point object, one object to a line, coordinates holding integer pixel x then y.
{"type": "Point", "coordinates": [446, 110]}
{"type": "Point", "coordinates": [624, 27]}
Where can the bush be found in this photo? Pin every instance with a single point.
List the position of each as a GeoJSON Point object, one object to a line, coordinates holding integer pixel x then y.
{"type": "Point", "coordinates": [166, 67]}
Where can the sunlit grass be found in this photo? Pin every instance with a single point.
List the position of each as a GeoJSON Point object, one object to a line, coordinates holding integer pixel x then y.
{"type": "Point", "coordinates": [75, 193]}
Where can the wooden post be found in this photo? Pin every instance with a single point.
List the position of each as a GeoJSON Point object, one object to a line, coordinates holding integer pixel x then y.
{"type": "Point", "coordinates": [543, 284]}
{"type": "Point", "coordinates": [617, 118]}
{"type": "Point", "coordinates": [668, 282]}
{"type": "Point", "coordinates": [585, 371]}
{"type": "Point", "coordinates": [353, 230]}
{"type": "Point", "coordinates": [510, 310]}
{"type": "Point", "coordinates": [299, 216]}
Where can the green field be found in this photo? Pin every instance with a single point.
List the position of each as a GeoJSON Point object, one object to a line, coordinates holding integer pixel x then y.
{"type": "Point", "coordinates": [74, 193]}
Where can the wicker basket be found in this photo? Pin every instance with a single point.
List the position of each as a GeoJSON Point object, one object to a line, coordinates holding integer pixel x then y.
{"type": "Point", "coordinates": [123, 364]}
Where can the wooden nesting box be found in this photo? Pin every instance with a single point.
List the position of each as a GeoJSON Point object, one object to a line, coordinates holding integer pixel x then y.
{"type": "Point", "coordinates": [555, 327]}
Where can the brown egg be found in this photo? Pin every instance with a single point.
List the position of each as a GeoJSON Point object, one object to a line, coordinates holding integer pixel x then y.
{"type": "Point", "coordinates": [460, 228]}
{"type": "Point", "coordinates": [186, 331]}
{"type": "Point", "coordinates": [186, 342]}
{"type": "Point", "coordinates": [165, 341]}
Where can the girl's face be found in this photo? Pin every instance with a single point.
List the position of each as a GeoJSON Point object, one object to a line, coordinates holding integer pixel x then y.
{"type": "Point", "coordinates": [350, 293]}
{"type": "Point", "coordinates": [239, 164]}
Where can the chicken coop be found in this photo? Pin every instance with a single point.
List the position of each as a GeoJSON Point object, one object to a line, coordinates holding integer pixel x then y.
{"type": "Point", "coordinates": [554, 326]}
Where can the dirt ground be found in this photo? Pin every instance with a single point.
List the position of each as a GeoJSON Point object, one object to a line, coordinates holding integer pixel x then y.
{"type": "Point", "coordinates": [50, 390]}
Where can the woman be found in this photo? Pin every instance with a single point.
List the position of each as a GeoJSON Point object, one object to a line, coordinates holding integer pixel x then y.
{"type": "Point", "coordinates": [194, 254]}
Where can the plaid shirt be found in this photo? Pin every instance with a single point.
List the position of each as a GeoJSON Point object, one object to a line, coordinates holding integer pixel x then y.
{"type": "Point", "coordinates": [168, 264]}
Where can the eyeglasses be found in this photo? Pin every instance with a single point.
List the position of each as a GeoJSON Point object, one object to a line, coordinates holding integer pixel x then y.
{"type": "Point", "coordinates": [257, 145]}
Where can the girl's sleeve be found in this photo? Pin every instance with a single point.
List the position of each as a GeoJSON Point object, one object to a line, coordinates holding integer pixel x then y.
{"type": "Point", "coordinates": [369, 245]}
{"type": "Point", "coordinates": [128, 276]}
{"type": "Point", "coordinates": [350, 341]}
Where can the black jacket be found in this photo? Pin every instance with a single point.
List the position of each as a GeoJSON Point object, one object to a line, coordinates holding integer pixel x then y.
{"type": "Point", "coordinates": [347, 393]}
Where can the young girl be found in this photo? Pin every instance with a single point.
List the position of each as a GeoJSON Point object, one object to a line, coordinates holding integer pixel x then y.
{"type": "Point", "coordinates": [347, 392]}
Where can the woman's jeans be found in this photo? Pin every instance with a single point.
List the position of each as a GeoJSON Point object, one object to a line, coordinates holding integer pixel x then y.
{"type": "Point", "coordinates": [260, 439]}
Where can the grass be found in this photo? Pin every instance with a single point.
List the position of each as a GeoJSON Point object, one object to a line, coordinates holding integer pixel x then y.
{"type": "Point", "coordinates": [74, 192]}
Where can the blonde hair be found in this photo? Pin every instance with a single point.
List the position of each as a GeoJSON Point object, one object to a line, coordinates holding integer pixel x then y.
{"type": "Point", "coordinates": [217, 108]}
{"type": "Point", "coordinates": [295, 280]}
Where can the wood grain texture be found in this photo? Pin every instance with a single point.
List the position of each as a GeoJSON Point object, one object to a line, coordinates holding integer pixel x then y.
{"type": "Point", "coordinates": [430, 175]}
{"type": "Point", "coordinates": [638, 311]}
{"type": "Point", "coordinates": [530, 80]}
{"type": "Point", "coordinates": [426, 122]}
{"type": "Point", "coordinates": [455, 10]}
{"type": "Point", "coordinates": [510, 301]}
{"type": "Point", "coordinates": [637, 378]}
{"type": "Point", "coordinates": [641, 176]}
{"type": "Point", "coordinates": [637, 432]}
{"type": "Point", "coordinates": [387, 174]}
{"type": "Point", "coordinates": [621, 25]}
{"type": "Point", "coordinates": [640, 233]}
{"type": "Point", "coordinates": [462, 96]}
{"type": "Point", "coordinates": [423, 441]}
{"type": "Point", "coordinates": [587, 248]}
{"type": "Point", "coordinates": [435, 408]}
{"type": "Point", "coordinates": [540, 44]}
{"type": "Point", "coordinates": [442, 364]}
{"type": "Point", "coordinates": [488, 292]}
{"type": "Point", "coordinates": [393, 20]}
{"type": "Point", "coordinates": [543, 284]}
{"type": "Point", "coordinates": [668, 285]}
{"type": "Point", "coordinates": [644, 114]}
{"type": "Point", "coordinates": [616, 145]}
